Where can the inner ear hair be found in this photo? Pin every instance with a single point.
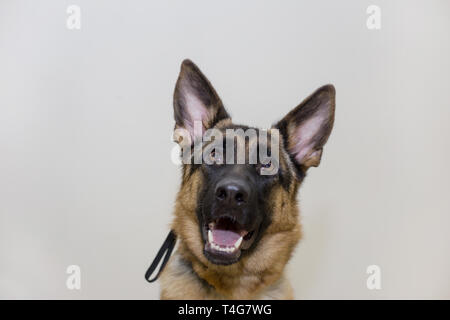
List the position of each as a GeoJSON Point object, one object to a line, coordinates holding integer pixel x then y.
{"type": "Point", "coordinates": [306, 128]}
{"type": "Point", "coordinates": [195, 100]}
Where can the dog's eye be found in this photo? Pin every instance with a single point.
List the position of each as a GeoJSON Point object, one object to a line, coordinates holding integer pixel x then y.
{"type": "Point", "coordinates": [264, 165]}
{"type": "Point", "coordinates": [215, 157]}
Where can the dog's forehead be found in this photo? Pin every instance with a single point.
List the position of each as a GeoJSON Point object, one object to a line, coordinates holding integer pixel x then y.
{"type": "Point", "coordinates": [252, 135]}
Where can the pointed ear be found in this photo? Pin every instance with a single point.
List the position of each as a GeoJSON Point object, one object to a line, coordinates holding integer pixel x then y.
{"type": "Point", "coordinates": [306, 128]}
{"type": "Point", "coordinates": [196, 102]}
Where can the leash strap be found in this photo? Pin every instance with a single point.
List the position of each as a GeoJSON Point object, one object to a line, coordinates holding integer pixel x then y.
{"type": "Point", "coordinates": [166, 251]}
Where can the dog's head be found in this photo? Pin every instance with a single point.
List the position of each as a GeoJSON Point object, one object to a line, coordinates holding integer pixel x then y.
{"type": "Point", "coordinates": [229, 206]}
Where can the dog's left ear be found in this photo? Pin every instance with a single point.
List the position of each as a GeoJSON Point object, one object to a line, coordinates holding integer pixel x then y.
{"type": "Point", "coordinates": [306, 128]}
{"type": "Point", "coordinates": [196, 102]}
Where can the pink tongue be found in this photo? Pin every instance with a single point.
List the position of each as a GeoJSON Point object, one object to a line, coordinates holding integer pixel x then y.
{"type": "Point", "coordinates": [225, 238]}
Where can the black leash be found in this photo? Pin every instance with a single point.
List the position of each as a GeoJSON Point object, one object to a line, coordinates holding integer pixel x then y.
{"type": "Point", "coordinates": [166, 251]}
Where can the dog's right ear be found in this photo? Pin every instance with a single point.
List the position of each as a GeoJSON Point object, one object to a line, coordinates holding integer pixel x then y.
{"type": "Point", "coordinates": [197, 107]}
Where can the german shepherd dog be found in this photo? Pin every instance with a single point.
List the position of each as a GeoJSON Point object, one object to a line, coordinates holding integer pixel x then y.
{"type": "Point", "coordinates": [238, 227]}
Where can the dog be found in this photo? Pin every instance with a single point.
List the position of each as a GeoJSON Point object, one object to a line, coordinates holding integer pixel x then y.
{"type": "Point", "coordinates": [237, 227]}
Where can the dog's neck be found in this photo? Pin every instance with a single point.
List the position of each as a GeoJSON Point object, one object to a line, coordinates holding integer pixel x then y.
{"type": "Point", "coordinates": [252, 276]}
{"type": "Point", "coordinates": [233, 282]}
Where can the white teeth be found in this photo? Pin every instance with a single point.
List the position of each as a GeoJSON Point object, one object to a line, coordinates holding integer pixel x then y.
{"type": "Point", "coordinates": [238, 243]}
{"type": "Point", "coordinates": [219, 248]}
{"type": "Point", "coordinates": [223, 249]}
{"type": "Point", "coordinates": [210, 236]}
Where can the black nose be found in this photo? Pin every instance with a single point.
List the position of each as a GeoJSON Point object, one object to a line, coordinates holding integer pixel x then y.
{"type": "Point", "coordinates": [232, 193]}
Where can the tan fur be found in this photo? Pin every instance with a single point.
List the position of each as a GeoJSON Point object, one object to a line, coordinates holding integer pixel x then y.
{"type": "Point", "coordinates": [258, 275]}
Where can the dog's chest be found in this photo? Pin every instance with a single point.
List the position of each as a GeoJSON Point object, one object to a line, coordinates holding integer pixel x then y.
{"type": "Point", "coordinates": [179, 281]}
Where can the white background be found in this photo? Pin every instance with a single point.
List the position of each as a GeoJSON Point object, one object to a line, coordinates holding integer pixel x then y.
{"type": "Point", "coordinates": [86, 120]}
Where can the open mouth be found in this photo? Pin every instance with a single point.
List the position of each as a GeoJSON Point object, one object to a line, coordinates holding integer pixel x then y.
{"type": "Point", "coordinates": [225, 239]}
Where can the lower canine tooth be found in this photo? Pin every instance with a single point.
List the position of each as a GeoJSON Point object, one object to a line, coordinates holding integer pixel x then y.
{"type": "Point", "coordinates": [238, 243]}
{"type": "Point", "coordinates": [210, 236]}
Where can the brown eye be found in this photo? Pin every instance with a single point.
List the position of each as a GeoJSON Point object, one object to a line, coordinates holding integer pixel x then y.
{"type": "Point", "coordinates": [212, 156]}
{"type": "Point", "coordinates": [215, 157]}
{"type": "Point", "coordinates": [266, 165]}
